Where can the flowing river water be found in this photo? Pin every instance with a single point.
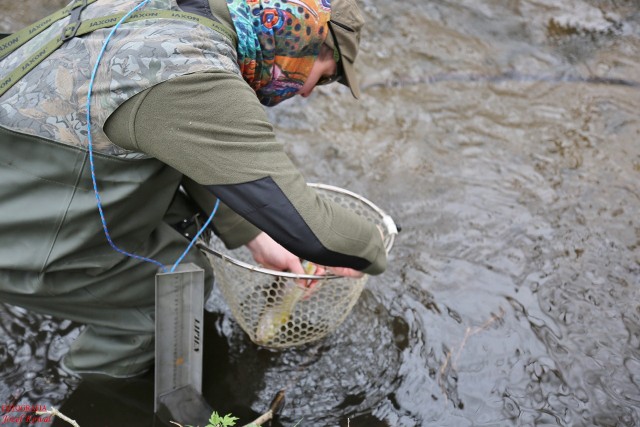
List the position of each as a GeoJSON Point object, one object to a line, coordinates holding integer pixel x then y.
{"type": "Point", "coordinates": [503, 136]}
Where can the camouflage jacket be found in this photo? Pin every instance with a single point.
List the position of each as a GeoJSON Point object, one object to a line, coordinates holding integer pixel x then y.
{"type": "Point", "coordinates": [50, 101]}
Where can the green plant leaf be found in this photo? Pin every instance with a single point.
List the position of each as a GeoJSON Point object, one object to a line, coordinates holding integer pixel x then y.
{"type": "Point", "coordinates": [218, 421]}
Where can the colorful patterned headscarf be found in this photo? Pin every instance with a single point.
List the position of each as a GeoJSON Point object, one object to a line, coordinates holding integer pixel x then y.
{"type": "Point", "coordinates": [278, 42]}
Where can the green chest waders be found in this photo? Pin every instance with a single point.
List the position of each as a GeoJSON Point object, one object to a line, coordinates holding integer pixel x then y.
{"type": "Point", "coordinates": [179, 294]}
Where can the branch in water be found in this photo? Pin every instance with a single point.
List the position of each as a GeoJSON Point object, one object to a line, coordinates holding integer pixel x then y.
{"type": "Point", "coordinates": [56, 413]}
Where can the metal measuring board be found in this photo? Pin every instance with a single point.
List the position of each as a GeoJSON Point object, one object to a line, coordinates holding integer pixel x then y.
{"type": "Point", "coordinates": [178, 370]}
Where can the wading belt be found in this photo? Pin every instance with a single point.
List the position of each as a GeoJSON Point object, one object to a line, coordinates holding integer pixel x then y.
{"type": "Point", "coordinates": [79, 28]}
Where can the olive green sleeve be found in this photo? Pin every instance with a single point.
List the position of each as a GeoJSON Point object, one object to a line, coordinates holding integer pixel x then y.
{"type": "Point", "coordinates": [234, 230]}
{"type": "Point", "coordinates": [211, 127]}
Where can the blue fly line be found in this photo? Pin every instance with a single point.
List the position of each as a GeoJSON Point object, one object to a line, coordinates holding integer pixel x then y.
{"type": "Point", "coordinates": [93, 173]}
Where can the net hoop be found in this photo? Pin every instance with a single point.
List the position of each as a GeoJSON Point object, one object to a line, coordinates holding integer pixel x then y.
{"type": "Point", "coordinates": [272, 307]}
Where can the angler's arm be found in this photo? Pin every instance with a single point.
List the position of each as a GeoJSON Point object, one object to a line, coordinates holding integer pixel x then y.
{"type": "Point", "coordinates": [213, 129]}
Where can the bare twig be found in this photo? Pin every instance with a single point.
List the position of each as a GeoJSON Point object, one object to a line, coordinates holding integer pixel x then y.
{"type": "Point", "coordinates": [275, 407]}
{"type": "Point", "coordinates": [53, 411]}
{"type": "Point", "coordinates": [267, 416]}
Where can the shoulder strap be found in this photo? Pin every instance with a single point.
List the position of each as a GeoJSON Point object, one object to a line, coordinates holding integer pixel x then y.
{"type": "Point", "coordinates": [88, 26]}
{"type": "Point", "coordinates": [16, 40]}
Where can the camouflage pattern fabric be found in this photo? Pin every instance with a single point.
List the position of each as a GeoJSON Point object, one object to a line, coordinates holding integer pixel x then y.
{"type": "Point", "coordinates": [50, 102]}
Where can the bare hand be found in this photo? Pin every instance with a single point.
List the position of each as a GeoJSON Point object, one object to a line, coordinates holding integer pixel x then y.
{"type": "Point", "coordinates": [270, 254]}
{"type": "Point", "coordinates": [344, 271]}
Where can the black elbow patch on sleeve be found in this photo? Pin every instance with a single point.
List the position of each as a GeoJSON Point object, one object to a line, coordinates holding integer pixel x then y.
{"type": "Point", "coordinates": [263, 204]}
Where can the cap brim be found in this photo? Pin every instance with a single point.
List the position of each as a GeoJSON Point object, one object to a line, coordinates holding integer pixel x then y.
{"type": "Point", "coordinates": [350, 79]}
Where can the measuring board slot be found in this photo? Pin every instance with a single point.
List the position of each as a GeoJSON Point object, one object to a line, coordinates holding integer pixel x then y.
{"type": "Point", "coordinates": [179, 316]}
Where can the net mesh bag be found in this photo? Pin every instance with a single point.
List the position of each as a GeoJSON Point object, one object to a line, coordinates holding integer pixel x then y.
{"type": "Point", "coordinates": [279, 309]}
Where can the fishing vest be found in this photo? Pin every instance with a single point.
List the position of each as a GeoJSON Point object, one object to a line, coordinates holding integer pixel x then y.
{"type": "Point", "coordinates": [48, 213]}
